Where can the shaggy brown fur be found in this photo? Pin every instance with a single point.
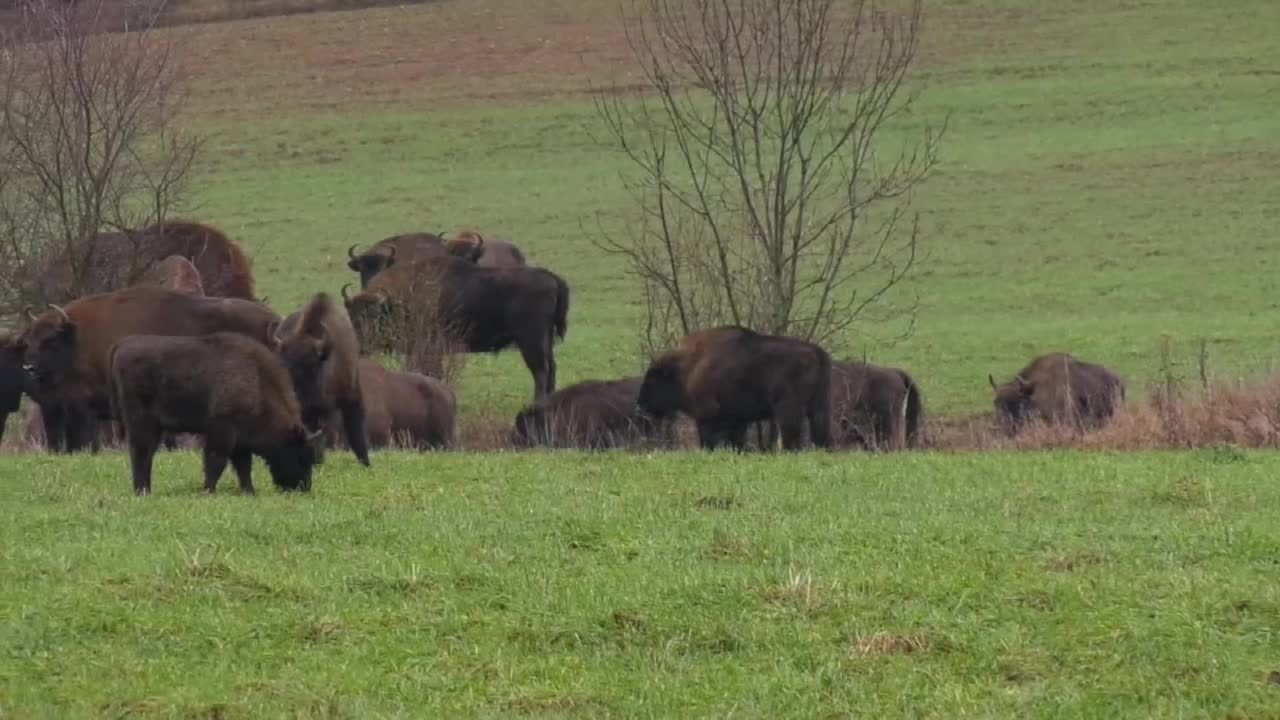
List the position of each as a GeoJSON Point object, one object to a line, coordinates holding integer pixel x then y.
{"type": "Point", "coordinates": [406, 409]}
{"type": "Point", "coordinates": [730, 377]}
{"type": "Point", "coordinates": [1058, 389]}
{"type": "Point", "coordinates": [383, 254]}
{"type": "Point", "coordinates": [321, 351]}
{"type": "Point", "coordinates": [592, 414]}
{"type": "Point", "coordinates": [474, 247]}
{"type": "Point", "coordinates": [230, 389]}
{"type": "Point", "coordinates": [876, 407]}
{"type": "Point", "coordinates": [67, 348]}
{"type": "Point", "coordinates": [174, 273]}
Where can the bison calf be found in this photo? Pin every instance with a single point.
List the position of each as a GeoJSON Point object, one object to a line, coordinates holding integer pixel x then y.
{"type": "Point", "coordinates": [730, 377]}
{"type": "Point", "coordinates": [876, 407]}
{"type": "Point", "coordinates": [321, 351]}
{"type": "Point", "coordinates": [1058, 388]}
{"type": "Point", "coordinates": [593, 414]}
{"type": "Point", "coordinates": [232, 390]}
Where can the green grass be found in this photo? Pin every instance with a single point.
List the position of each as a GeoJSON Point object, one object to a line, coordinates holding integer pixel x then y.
{"type": "Point", "coordinates": [1109, 180]}
{"type": "Point", "coordinates": [647, 585]}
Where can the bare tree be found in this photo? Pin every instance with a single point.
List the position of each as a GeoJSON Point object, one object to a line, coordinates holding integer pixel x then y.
{"type": "Point", "coordinates": [771, 193]}
{"type": "Point", "coordinates": [90, 149]}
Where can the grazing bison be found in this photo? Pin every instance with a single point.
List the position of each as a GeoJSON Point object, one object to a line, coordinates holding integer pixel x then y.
{"type": "Point", "coordinates": [480, 309]}
{"type": "Point", "coordinates": [406, 409]}
{"type": "Point", "coordinates": [67, 349]}
{"type": "Point", "coordinates": [397, 248]}
{"type": "Point", "coordinates": [730, 377]}
{"type": "Point", "coordinates": [473, 247]}
{"type": "Point", "coordinates": [593, 414]}
{"type": "Point", "coordinates": [1058, 389]}
{"type": "Point", "coordinates": [174, 273]}
{"type": "Point", "coordinates": [232, 390]}
{"type": "Point", "coordinates": [321, 351]}
{"type": "Point", "coordinates": [876, 407]}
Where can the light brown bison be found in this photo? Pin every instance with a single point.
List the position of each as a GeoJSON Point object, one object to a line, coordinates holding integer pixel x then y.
{"type": "Point", "coordinates": [230, 389]}
{"type": "Point", "coordinates": [406, 409]}
{"type": "Point", "coordinates": [593, 414]}
{"type": "Point", "coordinates": [876, 407]}
{"type": "Point", "coordinates": [66, 350]}
{"type": "Point", "coordinates": [395, 249]}
{"type": "Point", "coordinates": [728, 378]}
{"type": "Point", "coordinates": [174, 273]}
{"type": "Point", "coordinates": [1058, 389]}
{"type": "Point", "coordinates": [321, 351]}
{"type": "Point", "coordinates": [478, 309]}
{"type": "Point", "coordinates": [473, 247]}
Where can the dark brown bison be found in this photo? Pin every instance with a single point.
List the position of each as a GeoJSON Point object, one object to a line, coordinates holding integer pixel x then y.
{"type": "Point", "coordinates": [110, 434]}
{"type": "Point", "coordinates": [730, 377]}
{"type": "Point", "coordinates": [321, 351]}
{"type": "Point", "coordinates": [473, 247]}
{"type": "Point", "coordinates": [479, 309]}
{"type": "Point", "coordinates": [67, 349]}
{"type": "Point", "coordinates": [1058, 389]}
{"type": "Point", "coordinates": [406, 409]}
{"type": "Point", "coordinates": [876, 407]}
{"type": "Point", "coordinates": [14, 381]}
{"type": "Point", "coordinates": [593, 414]}
{"type": "Point", "coordinates": [395, 249]}
{"type": "Point", "coordinates": [174, 273]}
{"type": "Point", "coordinates": [230, 389]}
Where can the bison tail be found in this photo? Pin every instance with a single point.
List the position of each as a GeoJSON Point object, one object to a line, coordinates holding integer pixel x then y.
{"type": "Point", "coordinates": [562, 308]}
{"type": "Point", "coordinates": [915, 410]}
{"type": "Point", "coordinates": [820, 403]}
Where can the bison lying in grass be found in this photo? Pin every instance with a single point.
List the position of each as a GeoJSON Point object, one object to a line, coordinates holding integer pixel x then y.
{"type": "Point", "coordinates": [230, 389]}
{"type": "Point", "coordinates": [730, 377]}
{"type": "Point", "coordinates": [593, 414]}
{"type": "Point", "coordinates": [1058, 389]}
{"type": "Point", "coordinates": [405, 409]}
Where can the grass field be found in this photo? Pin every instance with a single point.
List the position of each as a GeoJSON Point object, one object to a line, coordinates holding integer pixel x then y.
{"type": "Point", "coordinates": [1109, 181]}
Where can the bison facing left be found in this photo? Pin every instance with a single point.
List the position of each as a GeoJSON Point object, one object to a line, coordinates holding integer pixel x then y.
{"type": "Point", "coordinates": [230, 389]}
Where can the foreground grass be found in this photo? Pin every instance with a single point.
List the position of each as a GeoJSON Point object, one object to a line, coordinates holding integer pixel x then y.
{"type": "Point", "coordinates": [634, 585]}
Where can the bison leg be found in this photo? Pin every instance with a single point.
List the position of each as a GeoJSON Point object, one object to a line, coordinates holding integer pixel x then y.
{"type": "Point", "coordinates": [217, 449]}
{"type": "Point", "coordinates": [713, 434]}
{"type": "Point", "coordinates": [142, 451]}
{"type": "Point", "coordinates": [790, 423]}
{"type": "Point", "coordinates": [55, 434]}
{"type": "Point", "coordinates": [353, 423]}
{"type": "Point", "coordinates": [79, 429]}
{"type": "Point", "coordinates": [535, 356]}
{"type": "Point", "coordinates": [242, 463]}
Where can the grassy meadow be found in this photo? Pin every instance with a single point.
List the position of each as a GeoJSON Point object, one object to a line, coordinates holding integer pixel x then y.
{"type": "Point", "coordinates": [1108, 184]}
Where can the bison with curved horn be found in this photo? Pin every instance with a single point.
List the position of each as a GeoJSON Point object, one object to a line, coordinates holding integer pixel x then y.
{"type": "Point", "coordinates": [384, 254]}
{"type": "Point", "coordinates": [1058, 389]}
{"type": "Point", "coordinates": [473, 247]}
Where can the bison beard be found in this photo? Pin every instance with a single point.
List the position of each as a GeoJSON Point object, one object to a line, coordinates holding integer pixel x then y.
{"type": "Point", "coordinates": [232, 390]}
{"type": "Point", "coordinates": [321, 351]}
{"type": "Point", "coordinates": [1058, 388]}
{"type": "Point", "coordinates": [730, 377]}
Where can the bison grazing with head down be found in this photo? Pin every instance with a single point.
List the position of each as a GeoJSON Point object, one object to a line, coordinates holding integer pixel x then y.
{"type": "Point", "coordinates": [232, 390]}
{"type": "Point", "coordinates": [480, 309]}
{"type": "Point", "coordinates": [869, 405]}
{"type": "Point", "coordinates": [67, 349]}
{"type": "Point", "coordinates": [395, 249]}
{"type": "Point", "coordinates": [473, 247]}
{"type": "Point", "coordinates": [321, 351]}
{"type": "Point", "coordinates": [730, 377]}
{"type": "Point", "coordinates": [1058, 389]}
{"type": "Point", "coordinates": [593, 414]}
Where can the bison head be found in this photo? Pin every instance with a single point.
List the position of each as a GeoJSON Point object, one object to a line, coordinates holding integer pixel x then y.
{"type": "Point", "coordinates": [662, 392]}
{"type": "Point", "coordinates": [1012, 402]}
{"type": "Point", "coordinates": [467, 245]}
{"type": "Point", "coordinates": [49, 347]}
{"type": "Point", "coordinates": [530, 427]}
{"type": "Point", "coordinates": [371, 263]}
{"type": "Point", "coordinates": [292, 460]}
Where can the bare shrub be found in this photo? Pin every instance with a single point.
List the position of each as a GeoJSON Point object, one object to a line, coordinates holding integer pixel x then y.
{"type": "Point", "coordinates": [90, 147]}
{"type": "Point", "coordinates": [769, 195]}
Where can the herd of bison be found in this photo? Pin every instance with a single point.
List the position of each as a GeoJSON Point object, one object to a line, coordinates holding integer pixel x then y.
{"type": "Point", "coordinates": [185, 347]}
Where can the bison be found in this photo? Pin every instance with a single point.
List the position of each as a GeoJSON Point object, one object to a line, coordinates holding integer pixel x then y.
{"type": "Point", "coordinates": [472, 247]}
{"type": "Point", "coordinates": [876, 407]}
{"type": "Point", "coordinates": [1058, 389]}
{"type": "Point", "coordinates": [13, 379]}
{"type": "Point", "coordinates": [321, 351]}
{"type": "Point", "coordinates": [66, 350]}
{"type": "Point", "coordinates": [232, 390]}
{"type": "Point", "coordinates": [728, 378]}
{"type": "Point", "coordinates": [174, 273]}
{"type": "Point", "coordinates": [480, 309]}
{"type": "Point", "coordinates": [397, 248]}
{"type": "Point", "coordinates": [406, 409]}
{"type": "Point", "coordinates": [594, 414]}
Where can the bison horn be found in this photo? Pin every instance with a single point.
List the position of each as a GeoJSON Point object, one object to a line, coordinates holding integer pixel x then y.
{"type": "Point", "coordinates": [479, 240]}
{"type": "Point", "coordinates": [346, 299]}
{"type": "Point", "coordinates": [392, 255]}
{"type": "Point", "coordinates": [351, 252]}
{"type": "Point", "coordinates": [30, 314]}
{"type": "Point", "coordinates": [992, 380]}
{"type": "Point", "coordinates": [60, 311]}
